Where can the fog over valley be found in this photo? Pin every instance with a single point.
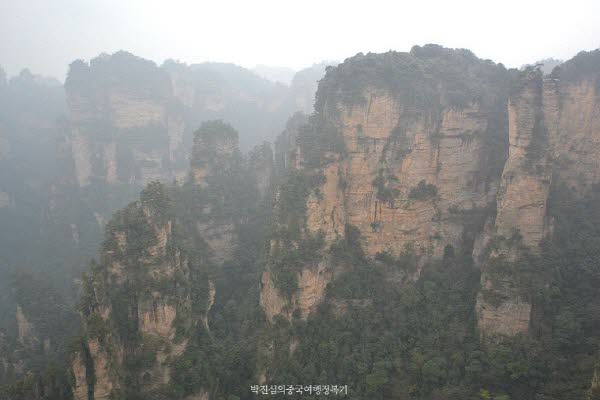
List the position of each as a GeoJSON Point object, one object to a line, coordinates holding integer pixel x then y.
{"type": "Point", "coordinates": [240, 200]}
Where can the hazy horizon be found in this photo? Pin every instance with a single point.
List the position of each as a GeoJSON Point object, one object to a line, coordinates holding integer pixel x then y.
{"type": "Point", "coordinates": [46, 36]}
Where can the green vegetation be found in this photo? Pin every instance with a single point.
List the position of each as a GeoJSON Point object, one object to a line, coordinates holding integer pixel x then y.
{"type": "Point", "coordinates": [120, 70]}
{"type": "Point", "coordinates": [384, 192]}
{"type": "Point", "coordinates": [208, 138]}
{"type": "Point", "coordinates": [134, 272]}
{"type": "Point", "coordinates": [294, 247]}
{"type": "Point", "coordinates": [386, 339]}
{"type": "Point", "coordinates": [407, 261]}
{"type": "Point", "coordinates": [399, 143]}
{"type": "Point", "coordinates": [416, 78]}
{"type": "Point", "coordinates": [287, 260]}
{"type": "Point", "coordinates": [320, 141]}
{"type": "Point", "coordinates": [420, 340]}
{"type": "Point", "coordinates": [583, 65]}
{"type": "Point", "coordinates": [531, 79]}
{"type": "Point", "coordinates": [423, 191]}
{"type": "Point", "coordinates": [52, 323]}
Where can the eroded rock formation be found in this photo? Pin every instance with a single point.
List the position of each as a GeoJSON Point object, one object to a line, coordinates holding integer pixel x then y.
{"type": "Point", "coordinates": [147, 301]}
{"type": "Point", "coordinates": [554, 135]}
{"type": "Point", "coordinates": [137, 303]}
{"type": "Point", "coordinates": [418, 165]}
{"type": "Point", "coordinates": [428, 162]}
{"type": "Point", "coordinates": [406, 172]}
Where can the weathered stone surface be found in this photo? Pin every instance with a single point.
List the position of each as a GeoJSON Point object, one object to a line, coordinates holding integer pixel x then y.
{"type": "Point", "coordinates": [80, 385]}
{"type": "Point", "coordinates": [490, 167]}
{"type": "Point", "coordinates": [554, 135]}
{"type": "Point", "coordinates": [220, 236]}
{"type": "Point", "coordinates": [81, 156]}
{"type": "Point", "coordinates": [261, 164]}
{"type": "Point", "coordinates": [574, 134]}
{"type": "Point", "coordinates": [157, 318]}
{"type": "Point", "coordinates": [199, 396]}
{"type": "Point", "coordinates": [212, 154]}
{"type": "Point", "coordinates": [509, 318]}
{"type": "Point", "coordinates": [25, 329]}
{"type": "Point", "coordinates": [312, 282]}
{"type": "Point", "coordinates": [448, 154]}
{"type": "Point", "coordinates": [153, 312]}
{"type": "Point", "coordinates": [325, 212]}
{"type": "Point", "coordinates": [446, 149]}
{"type": "Point", "coordinates": [103, 384]}
{"type": "Point", "coordinates": [271, 300]}
{"type": "Point", "coordinates": [128, 110]}
{"type": "Point", "coordinates": [526, 177]}
{"type": "Point", "coordinates": [113, 119]}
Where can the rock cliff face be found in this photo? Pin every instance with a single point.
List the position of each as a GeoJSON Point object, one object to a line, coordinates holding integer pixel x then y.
{"type": "Point", "coordinates": [215, 155]}
{"type": "Point", "coordinates": [261, 164]}
{"type": "Point", "coordinates": [137, 304]}
{"type": "Point", "coordinates": [130, 120]}
{"type": "Point", "coordinates": [304, 86]}
{"type": "Point", "coordinates": [417, 165]}
{"type": "Point", "coordinates": [213, 151]}
{"type": "Point", "coordinates": [147, 301]}
{"type": "Point", "coordinates": [526, 175]}
{"type": "Point", "coordinates": [421, 178]}
{"type": "Point", "coordinates": [521, 206]}
{"type": "Point", "coordinates": [554, 141]}
{"type": "Point", "coordinates": [406, 172]}
{"type": "Point", "coordinates": [573, 120]}
{"type": "Point", "coordinates": [122, 129]}
{"type": "Point", "coordinates": [25, 329]}
{"type": "Point", "coordinates": [71, 155]}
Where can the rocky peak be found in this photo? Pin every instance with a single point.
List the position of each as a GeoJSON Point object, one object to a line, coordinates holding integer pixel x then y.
{"type": "Point", "coordinates": [145, 304]}
{"type": "Point", "coordinates": [137, 300]}
{"type": "Point", "coordinates": [400, 141]}
{"type": "Point", "coordinates": [119, 111]}
{"type": "Point", "coordinates": [215, 144]}
{"type": "Point", "coordinates": [554, 142]}
{"type": "Point", "coordinates": [261, 163]}
{"type": "Point", "coordinates": [526, 176]}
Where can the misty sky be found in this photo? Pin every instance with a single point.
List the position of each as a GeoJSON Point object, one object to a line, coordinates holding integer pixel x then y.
{"type": "Point", "coordinates": [46, 35]}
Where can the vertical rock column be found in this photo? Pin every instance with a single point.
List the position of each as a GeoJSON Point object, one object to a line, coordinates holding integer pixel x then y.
{"type": "Point", "coordinates": [521, 220]}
